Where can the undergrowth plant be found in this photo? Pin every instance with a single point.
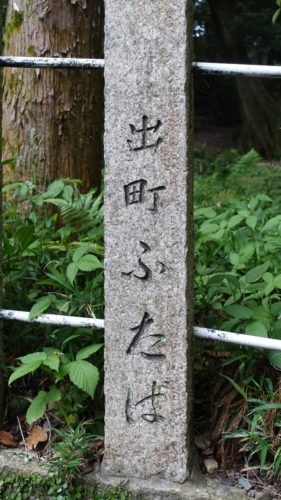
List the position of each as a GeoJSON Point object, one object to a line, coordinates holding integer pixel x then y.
{"type": "Point", "coordinates": [238, 289]}
{"type": "Point", "coordinates": [53, 246]}
{"type": "Point", "coordinates": [53, 253]}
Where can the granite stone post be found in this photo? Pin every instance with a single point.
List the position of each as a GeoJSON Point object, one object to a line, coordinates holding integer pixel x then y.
{"type": "Point", "coordinates": [148, 239]}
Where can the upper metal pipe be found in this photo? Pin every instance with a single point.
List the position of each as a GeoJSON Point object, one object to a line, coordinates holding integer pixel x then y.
{"type": "Point", "coordinates": [199, 67]}
{"type": "Point", "coordinates": [51, 62]}
{"type": "Point", "coordinates": [237, 69]}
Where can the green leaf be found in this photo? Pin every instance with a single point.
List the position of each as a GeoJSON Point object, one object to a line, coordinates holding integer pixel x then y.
{"type": "Point", "coordinates": [23, 370]}
{"type": "Point", "coordinates": [54, 189]}
{"type": "Point", "coordinates": [80, 251]}
{"type": "Point", "coordinates": [72, 271]}
{"type": "Point", "coordinates": [235, 220]}
{"type": "Point", "coordinates": [64, 370]}
{"type": "Point", "coordinates": [39, 404]}
{"type": "Point", "coordinates": [234, 258]}
{"type": "Point", "coordinates": [237, 387]}
{"type": "Point", "coordinates": [272, 223]}
{"type": "Point", "coordinates": [88, 263]}
{"type": "Point", "coordinates": [275, 359]}
{"type": "Point", "coordinates": [256, 328]}
{"type": "Point", "coordinates": [238, 311]}
{"type": "Point", "coordinates": [277, 281]}
{"type": "Point", "coordinates": [53, 361]}
{"type": "Point", "coordinates": [40, 306]}
{"type": "Point", "coordinates": [276, 308]}
{"type": "Point", "coordinates": [207, 212]}
{"type": "Point", "coordinates": [256, 273]}
{"type": "Point", "coordinates": [276, 15]}
{"type": "Point", "coordinates": [208, 227]}
{"type": "Point", "coordinates": [86, 352]}
{"type": "Point", "coordinates": [34, 356]}
{"type": "Point", "coordinates": [268, 277]}
{"type": "Point", "coordinates": [37, 407]}
{"type": "Point", "coordinates": [85, 376]}
{"type": "Point", "coordinates": [251, 221]}
{"type": "Point", "coordinates": [67, 193]}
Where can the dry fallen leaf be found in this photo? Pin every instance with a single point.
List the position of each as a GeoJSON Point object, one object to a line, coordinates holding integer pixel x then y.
{"type": "Point", "coordinates": [36, 436]}
{"type": "Point", "coordinates": [8, 440]}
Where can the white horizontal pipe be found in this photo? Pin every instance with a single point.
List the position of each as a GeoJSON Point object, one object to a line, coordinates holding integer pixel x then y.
{"type": "Point", "coordinates": [203, 333]}
{"type": "Point", "coordinates": [78, 63]}
{"type": "Point", "coordinates": [51, 62]}
{"type": "Point", "coordinates": [238, 69]}
{"type": "Point", "coordinates": [238, 338]}
{"type": "Point", "coordinates": [53, 319]}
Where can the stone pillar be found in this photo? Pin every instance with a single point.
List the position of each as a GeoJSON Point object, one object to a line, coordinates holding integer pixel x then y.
{"type": "Point", "coordinates": [148, 221]}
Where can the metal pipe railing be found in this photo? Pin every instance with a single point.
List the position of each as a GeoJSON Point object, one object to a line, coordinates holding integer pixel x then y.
{"type": "Point", "coordinates": [51, 62]}
{"type": "Point", "coordinates": [203, 333]}
{"type": "Point", "coordinates": [237, 69]}
{"type": "Point", "coordinates": [90, 64]}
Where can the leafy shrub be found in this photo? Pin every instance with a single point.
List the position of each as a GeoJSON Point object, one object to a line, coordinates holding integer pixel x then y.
{"type": "Point", "coordinates": [53, 251]}
{"type": "Point", "coordinates": [238, 288]}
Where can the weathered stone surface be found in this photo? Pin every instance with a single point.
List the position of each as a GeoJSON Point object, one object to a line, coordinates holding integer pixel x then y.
{"type": "Point", "coordinates": [158, 489]}
{"type": "Point", "coordinates": [148, 318]}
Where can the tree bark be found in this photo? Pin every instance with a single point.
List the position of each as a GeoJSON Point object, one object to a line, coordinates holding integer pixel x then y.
{"type": "Point", "coordinates": [53, 119]}
{"type": "Point", "coordinates": [257, 108]}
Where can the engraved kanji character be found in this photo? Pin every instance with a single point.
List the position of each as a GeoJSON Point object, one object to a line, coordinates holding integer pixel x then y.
{"type": "Point", "coordinates": [134, 192]}
{"type": "Point", "coordinates": [144, 134]}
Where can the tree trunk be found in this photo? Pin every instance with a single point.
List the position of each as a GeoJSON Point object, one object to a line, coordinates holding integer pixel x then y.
{"type": "Point", "coordinates": [53, 119]}
{"type": "Point", "coordinates": [258, 109]}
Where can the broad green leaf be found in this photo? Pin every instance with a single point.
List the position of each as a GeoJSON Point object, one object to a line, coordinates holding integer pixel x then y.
{"type": "Point", "coordinates": [275, 359]}
{"type": "Point", "coordinates": [88, 263]}
{"type": "Point", "coordinates": [64, 370]}
{"type": "Point", "coordinates": [251, 221]}
{"type": "Point", "coordinates": [34, 356]}
{"type": "Point", "coordinates": [256, 328]}
{"type": "Point", "coordinates": [37, 407]}
{"type": "Point", "coordinates": [67, 193]}
{"type": "Point", "coordinates": [54, 395]}
{"type": "Point", "coordinates": [276, 308]}
{"type": "Point", "coordinates": [39, 404]}
{"type": "Point", "coordinates": [277, 281]}
{"type": "Point", "coordinates": [80, 251]}
{"type": "Point", "coordinates": [235, 220]}
{"type": "Point", "coordinates": [53, 361]}
{"type": "Point", "coordinates": [256, 273]}
{"type": "Point", "coordinates": [207, 212]}
{"type": "Point", "coordinates": [85, 376]}
{"type": "Point", "coordinates": [72, 271]}
{"type": "Point", "coordinates": [86, 352]}
{"type": "Point", "coordinates": [234, 258]}
{"type": "Point", "coordinates": [54, 189]}
{"type": "Point", "coordinates": [40, 306]}
{"type": "Point", "coordinates": [233, 281]}
{"type": "Point", "coordinates": [272, 223]}
{"type": "Point", "coordinates": [208, 227]}
{"type": "Point", "coordinates": [238, 311]}
{"type": "Point", "coordinates": [269, 288]}
{"type": "Point", "coordinates": [268, 277]}
{"type": "Point", "coordinates": [23, 370]}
